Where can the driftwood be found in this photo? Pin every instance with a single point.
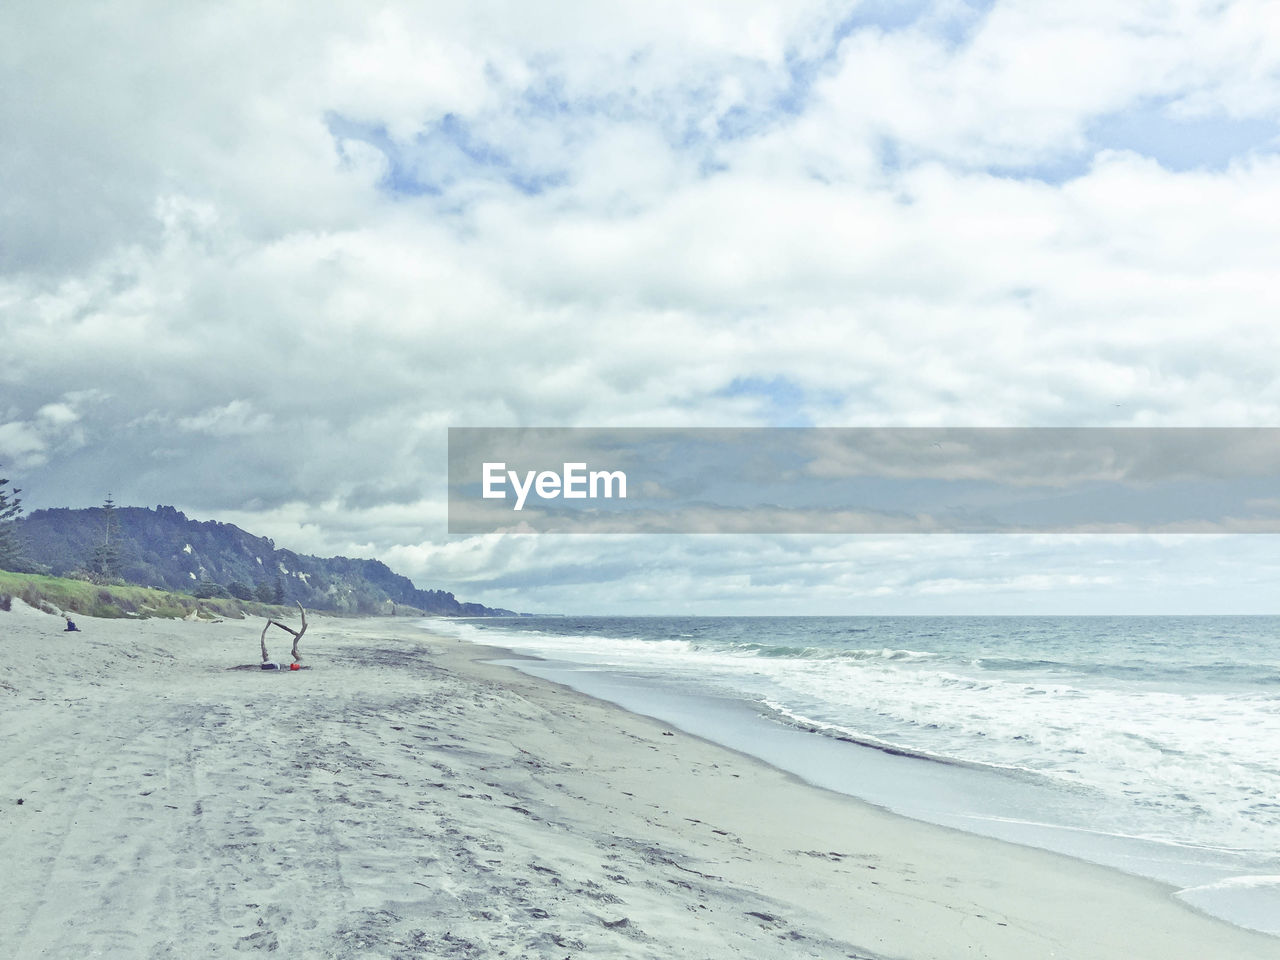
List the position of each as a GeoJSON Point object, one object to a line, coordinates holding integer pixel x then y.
{"type": "Point", "coordinates": [297, 635]}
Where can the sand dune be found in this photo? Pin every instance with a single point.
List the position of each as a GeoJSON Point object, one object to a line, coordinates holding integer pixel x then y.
{"type": "Point", "coordinates": [400, 799]}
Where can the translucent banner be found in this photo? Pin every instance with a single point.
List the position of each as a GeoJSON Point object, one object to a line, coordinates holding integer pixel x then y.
{"type": "Point", "coordinates": [864, 480]}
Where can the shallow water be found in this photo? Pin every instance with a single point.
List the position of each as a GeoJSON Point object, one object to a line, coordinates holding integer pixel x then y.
{"type": "Point", "coordinates": [1148, 743]}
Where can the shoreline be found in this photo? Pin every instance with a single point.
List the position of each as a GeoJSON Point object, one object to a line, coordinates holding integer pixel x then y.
{"type": "Point", "coordinates": [965, 797]}
{"type": "Point", "coordinates": [406, 798]}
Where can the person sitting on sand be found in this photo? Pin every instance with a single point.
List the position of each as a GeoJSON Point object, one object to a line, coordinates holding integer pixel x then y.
{"type": "Point", "coordinates": [71, 626]}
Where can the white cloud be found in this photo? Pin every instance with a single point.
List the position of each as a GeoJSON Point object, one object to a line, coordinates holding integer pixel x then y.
{"type": "Point", "coordinates": [57, 414]}
{"type": "Point", "coordinates": [55, 428]}
{"type": "Point", "coordinates": [20, 443]}
{"type": "Point", "coordinates": [304, 241]}
{"type": "Point", "coordinates": [236, 418]}
{"type": "Point", "coordinates": [1028, 81]}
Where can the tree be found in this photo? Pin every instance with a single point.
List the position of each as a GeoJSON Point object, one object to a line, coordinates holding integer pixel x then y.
{"type": "Point", "coordinates": [263, 592]}
{"type": "Point", "coordinates": [105, 562]}
{"type": "Point", "coordinates": [278, 596]}
{"type": "Point", "coordinates": [10, 510]}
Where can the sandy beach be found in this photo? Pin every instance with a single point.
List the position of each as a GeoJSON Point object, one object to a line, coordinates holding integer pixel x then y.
{"type": "Point", "coordinates": [402, 798]}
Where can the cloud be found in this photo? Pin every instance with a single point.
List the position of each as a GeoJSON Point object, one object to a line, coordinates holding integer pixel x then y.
{"type": "Point", "coordinates": [52, 430]}
{"type": "Point", "coordinates": [819, 575]}
{"type": "Point", "coordinates": [236, 418]}
{"type": "Point", "coordinates": [1027, 81]}
{"type": "Point", "coordinates": [21, 443]}
{"type": "Point", "coordinates": [285, 248]}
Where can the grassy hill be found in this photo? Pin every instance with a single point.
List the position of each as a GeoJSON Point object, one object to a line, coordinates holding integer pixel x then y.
{"type": "Point", "coordinates": [163, 549]}
{"type": "Point", "coordinates": [59, 595]}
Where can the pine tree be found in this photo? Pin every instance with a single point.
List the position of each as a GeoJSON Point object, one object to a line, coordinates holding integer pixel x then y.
{"type": "Point", "coordinates": [105, 563]}
{"type": "Point", "coordinates": [10, 510]}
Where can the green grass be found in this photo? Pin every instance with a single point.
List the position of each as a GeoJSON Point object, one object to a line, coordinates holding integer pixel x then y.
{"type": "Point", "coordinates": [58, 594]}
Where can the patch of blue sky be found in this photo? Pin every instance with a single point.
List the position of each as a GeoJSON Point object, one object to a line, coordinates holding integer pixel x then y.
{"type": "Point", "coordinates": [677, 113]}
{"type": "Point", "coordinates": [681, 109]}
{"type": "Point", "coordinates": [1177, 144]}
{"type": "Point", "coordinates": [781, 401]}
{"type": "Point", "coordinates": [1053, 171]}
{"type": "Point", "coordinates": [1180, 144]}
{"type": "Point", "coordinates": [445, 153]}
{"type": "Point", "coordinates": [954, 22]}
{"type": "Point", "coordinates": [547, 99]}
{"type": "Point", "coordinates": [401, 178]}
{"type": "Point", "coordinates": [886, 15]}
{"type": "Point", "coordinates": [894, 156]}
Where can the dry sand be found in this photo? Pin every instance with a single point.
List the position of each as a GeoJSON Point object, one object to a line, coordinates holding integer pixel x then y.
{"type": "Point", "coordinates": [401, 799]}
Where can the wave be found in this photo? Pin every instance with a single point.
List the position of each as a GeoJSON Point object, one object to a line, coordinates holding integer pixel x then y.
{"type": "Point", "coordinates": [1248, 881]}
{"type": "Point", "coordinates": [783, 652]}
{"type": "Point", "coordinates": [1179, 741]}
{"type": "Point", "coordinates": [797, 721]}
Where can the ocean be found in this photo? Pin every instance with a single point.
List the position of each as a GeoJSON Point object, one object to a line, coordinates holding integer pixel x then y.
{"type": "Point", "coordinates": [1151, 744]}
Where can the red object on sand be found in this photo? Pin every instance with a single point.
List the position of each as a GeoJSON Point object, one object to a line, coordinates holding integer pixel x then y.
{"type": "Point", "coordinates": [295, 666]}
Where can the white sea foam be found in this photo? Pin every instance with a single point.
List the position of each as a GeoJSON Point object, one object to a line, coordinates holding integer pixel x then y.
{"type": "Point", "coordinates": [1176, 762]}
{"type": "Point", "coordinates": [1249, 900]}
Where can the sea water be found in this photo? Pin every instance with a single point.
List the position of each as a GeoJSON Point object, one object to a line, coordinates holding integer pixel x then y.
{"type": "Point", "coordinates": [1147, 743]}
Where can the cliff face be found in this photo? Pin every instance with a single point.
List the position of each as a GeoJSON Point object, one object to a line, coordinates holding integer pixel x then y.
{"type": "Point", "coordinates": [164, 548]}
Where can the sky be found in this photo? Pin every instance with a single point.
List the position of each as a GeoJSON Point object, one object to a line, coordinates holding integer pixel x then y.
{"type": "Point", "coordinates": [255, 260]}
